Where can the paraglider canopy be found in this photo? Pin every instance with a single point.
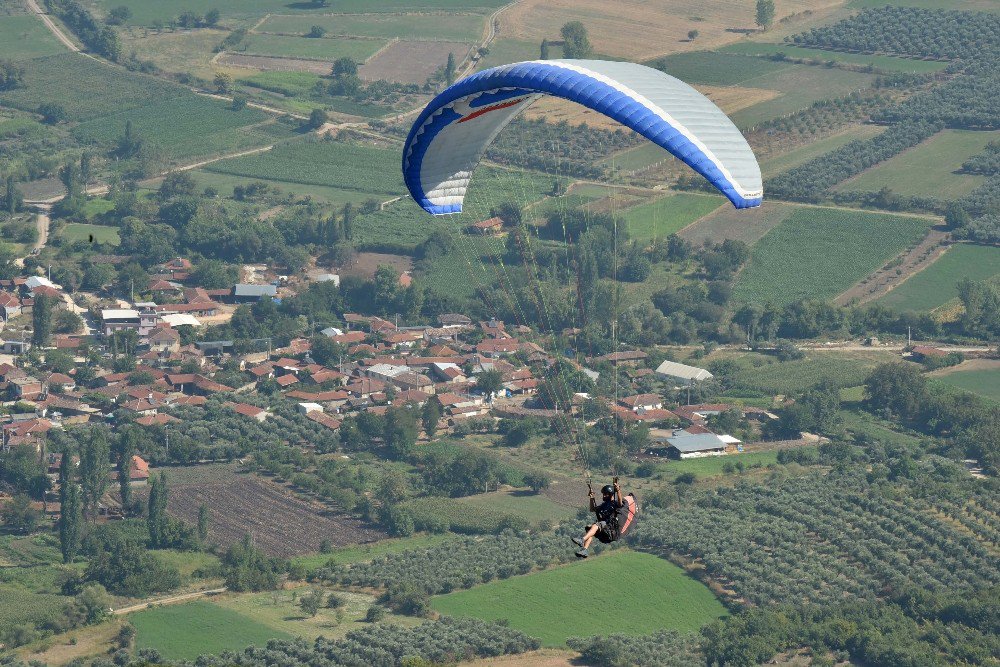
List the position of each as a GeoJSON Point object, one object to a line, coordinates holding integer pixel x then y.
{"type": "Point", "coordinates": [450, 136]}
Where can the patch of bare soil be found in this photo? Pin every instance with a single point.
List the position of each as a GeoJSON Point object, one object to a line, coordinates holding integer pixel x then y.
{"type": "Point", "coordinates": [897, 271]}
{"type": "Point", "coordinates": [726, 222]}
{"type": "Point", "coordinates": [411, 62]}
{"type": "Point", "coordinates": [365, 264]}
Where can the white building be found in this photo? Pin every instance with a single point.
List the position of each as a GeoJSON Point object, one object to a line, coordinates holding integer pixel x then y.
{"type": "Point", "coordinates": [682, 374]}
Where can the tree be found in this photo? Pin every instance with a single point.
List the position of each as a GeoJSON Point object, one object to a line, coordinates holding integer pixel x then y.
{"type": "Point", "coordinates": [311, 602]}
{"type": "Point", "coordinates": [400, 433]}
{"type": "Point", "coordinates": [177, 184]}
{"type": "Point", "coordinates": [316, 32]}
{"type": "Point", "coordinates": [325, 351]}
{"type": "Point", "coordinates": [129, 144]}
{"type": "Point", "coordinates": [156, 513]}
{"type": "Point", "coordinates": [317, 119]}
{"type": "Point", "coordinates": [576, 44]}
{"type": "Point", "coordinates": [19, 516]}
{"type": "Point", "coordinates": [430, 416]}
{"type": "Point", "coordinates": [344, 66]}
{"type": "Point", "coordinates": [544, 50]}
{"type": "Point", "coordinates": [203, 520]}
{"type": "Point", "coordinates": [127, 446]}
{"type": "Point", "coordinates": [119, 15]}
{"type": "Point", "coordinates": [449, 69]}
{"type": "Point", "coordinates": [246, 568]}
{"type": "Point", "coordinates": [212, 17]}
{"type": "Point", "coordinates": [489, 382]}
{"type": "Point", "coordinates": [41, 320]}
{"type": "Point", "coordinates": [537, 482]}
{"type": "Point", "coordinates": [896, 390]}
{"type": "Point", "coordinates": [70, 516]}
{"type": "Point", "coordinates": [692, 35]}
{"type": "Point", "coordinates": [764, 16]}
{"type": "Point", "coordinates": [223, 82]}
{"type": "Point", "coordinates": [52, 113]}
{"type": "Point", "coordinates": [13, 200]}
{"type": "Point", "coordinates": [95, 464]}
{"type": "Point", "coordinates": [348, 216]}
{"type": "Point", "coordinates": [11, 75]}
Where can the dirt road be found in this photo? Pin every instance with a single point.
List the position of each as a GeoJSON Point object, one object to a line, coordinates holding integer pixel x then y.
{"type": "Point", "coordinates": [50, 24]}
{"type": "Point", "coordinates": [168, 600]}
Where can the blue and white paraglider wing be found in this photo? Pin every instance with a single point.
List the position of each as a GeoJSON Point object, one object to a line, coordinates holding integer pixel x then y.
{"type": "Point", "coordinates": [450, 136]}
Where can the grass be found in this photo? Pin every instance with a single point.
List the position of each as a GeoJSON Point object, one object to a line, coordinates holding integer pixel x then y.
{"type": "Point", "coordinates": [291, 84]}
{"type": "Point", "coordinates": [224, 184]}
{"type": "Point", "coordinates": [21, 127]}
{"type": "Point", "coordinates": [818, 253]}
{"type": "Point", "coordinates": [766, 375]}
{"type": "Point", "coordinates": [366, 552]}
{"type": "Point", "coordinates": [330, 49]}
{"type": "Point", "coordinates": [668, 215]}
{"type": "Point", "coordinates": [87, 88]}
{"type": "Point", "coordinates": [299, 85]}
{"type": "Point", "coordinates": [931, 165]}
{"type": "Point", "coordinates": [800, 86]}
{"type": "Point", "coordinates": [525, 503]}
{"type": "Point", "coordinates": [555, 604]}
{"type": "Point", "coordinates": [187, 562]}
{"type": "Point", "coordinates": [449, 27]}
{"type": "Point", "coordinates": [718, 69]}
{"type": "Point", "coordinates": [985, 382]}
{"type": "Point", "coordinates": [76, 231]}
{"type": "Point", "coordinates": [639, 157]}
{"type": "Point", "coordinates": [937, 284]}
{"type": "Point", "coordinates": [771, 166]}
{"type": "Point", "coordinates": [26, 37]}
{"type": "Point", "coordinates": [185, 631]}
{"type": "Point", "coordinates": [331, 163]}
{"type": "Point", "coordinates": [713, 466]}
{"type": "Point", "coordinates": [889, 63]}
{"type": "Point", "coordinates": [859, 422]}
{"type": "Point", "coordinates": [188, 126]}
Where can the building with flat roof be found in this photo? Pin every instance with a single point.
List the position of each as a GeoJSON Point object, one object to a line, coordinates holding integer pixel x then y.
{"type": "Point", "coordinates": [682, 374]}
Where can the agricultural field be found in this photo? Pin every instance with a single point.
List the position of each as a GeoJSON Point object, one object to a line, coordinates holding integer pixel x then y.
{"type": "Point", "coordinates": [76, 231]}
{"type": "Point", "coordinates": [189, 51]}
{"type": "Point", "coordinates": [411, 61]}
{"type": "Point", "coordinates": [932, 167]}
{"type": "Point", "coordinates": [969, 5]}
{"type": "Point", "coordinates": [290, 527]}
{"type": "Point", "coordinates": [463, 517]}
{"type": "Point", "coordinates": [718, 69]}
{"type": "Point", "coordinates": [767, 376]}
{"type": "Point", "coordinates": [504, 51]}
{"type": "Point", "coordinates": [668, 215]}
{"type": "Point", "coordinates": [23, 37]}
{"type": "Point", "coordinates": [772, 165]}
{"type": "Point", "coordinates": [464, 27]}
{"type": "Point", "coordinates": [800, 87]}
{"type": "Point", "coordinates": [981, 377]}
{"type": "Point", "coordinates": [642, 156]}
{"type": "Point", "coordinates": [714, 466]}
{"type": "Point", "coordinates": [937, 284]}
{"type": "Point", "coordinates": [87, 88]}
{"type": "Point", "coordinates": [326, 49]}
{"type": "Point", "coordinates": [818, 253]}
{"type": "Point", "coordinates": [297, 85]}
{"type": "Point", "coordinates": [225, 183]}
{"type": "Point", "coordinates": [554, 604]}
{"type": "Point", "coordinates": [186, 127]}
{"type": "Point", "coordinates": [367, 552]}
{"type": "Point", "coordinates": [747, 225]}
{"type": "Point", "coordinates": [888, 63]}
{"type": "Point", "coordinates": [525, 503]}
{"type": "Point", "coordinates": [328, 163]}
{"type": "Point", "coordinates": [185, 631]}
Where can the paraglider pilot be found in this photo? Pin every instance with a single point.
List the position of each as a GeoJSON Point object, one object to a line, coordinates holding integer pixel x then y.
{"type": "Point", "coordinates": [606, 526]}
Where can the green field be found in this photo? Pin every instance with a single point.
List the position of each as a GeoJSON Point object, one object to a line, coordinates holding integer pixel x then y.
{"type": "Point", "coordinates": [188, 126]}
{"type": "Point", "coordinates": [531, 505]}
{"type": "Point", "coordinates": [985, 383]}
{"type": "Point", "coordinates": [330, 49]}
{"type": "Point", "coordinates": [668, 215]}
{"type": "Point", "coordinates": [718, 69]}
{"type": "Point", "coordinates": [890, 63]}
{"type": "Point", "coordinates": [76, 231]}
{"type": "Point", "coordinates": [930, 168]}
{"type": "Point", "coordinates": [299, 86]}
{"type": "Point", "coordinates": [26, 37]}
{"type": "Point", "coordinates": [770, 377]}
{"type": "Point", "coordinates": [449, 27]}
{"type": "Point", "coordinates": [641, 156]}
{"type": "Point", "coordinates": [818, 253]}
{"type": "Point", "coordinates": [185, 631]}
{"type": "Point", "coordinates": [21, 127]}
{"type": "Point", "coordinates": [559, 603]}
{"type": "Point", "coordinates": [224, 184]}
{"type": "Point", "coordinates": [771, 166]}
{"type": "Point", "coordinates": [713, 466]}
{"type": "Point", "coordinates": [146, 12]}
{"type": "Point", "coordinates": [800, 87]}
{"type": "Point", "coordinates": [937, 284]}
{"type": "Point", "coordinates": [366, 552]}
{"type": "Point", "coordinates": [322, 162]}
{"type": "Point", "coordinates": [87, 88]}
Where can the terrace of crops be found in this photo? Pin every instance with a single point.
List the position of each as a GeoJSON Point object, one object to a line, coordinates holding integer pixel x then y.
{"type": "Point", "coordinates": [325, 48]}
{"type": "Point", "coordinates": [818, 253]}
{"type": "Point", "coordinates": [148, 12]}
{"type": "Point", "coordinates": [558, 603]}
{"type": "Point", "coordinates": [452, 27]}
{"type": "Point", "coordinates": [329, 163]}
{"type": "Point", "coordinates": [938, 283]}
{"type": "Point", "coordinates": [930, 168]}
{"type": "Point", "coordinates": [668, 215]}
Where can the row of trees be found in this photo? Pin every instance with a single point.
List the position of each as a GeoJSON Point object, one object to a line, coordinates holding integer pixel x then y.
{"type": "Point", "coordinates": [810, 181]}
{"type": "Point", "coordinates": [910, 31]}
{"type": "Point", "coordinates": [102, 39]}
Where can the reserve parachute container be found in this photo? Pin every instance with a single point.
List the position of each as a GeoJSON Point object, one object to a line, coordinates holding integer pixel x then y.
{"type": "Point", "coordinates": [451, 134]}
